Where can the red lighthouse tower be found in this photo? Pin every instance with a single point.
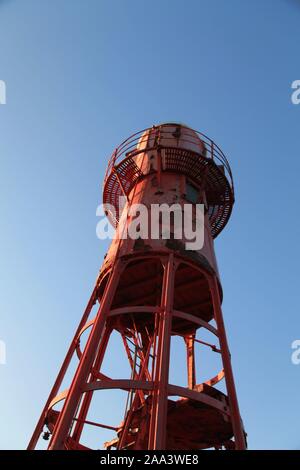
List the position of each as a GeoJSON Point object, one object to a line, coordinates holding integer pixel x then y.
{"type": "Point", "coordinates": [150, 290]}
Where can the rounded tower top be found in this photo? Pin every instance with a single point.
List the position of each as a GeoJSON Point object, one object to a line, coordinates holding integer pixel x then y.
{"type": "Point", "coordinates": [172, 147]}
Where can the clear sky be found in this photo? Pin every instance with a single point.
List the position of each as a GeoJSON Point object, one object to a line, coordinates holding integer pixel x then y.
{"type": "Point", "coordinates": [83, 75]}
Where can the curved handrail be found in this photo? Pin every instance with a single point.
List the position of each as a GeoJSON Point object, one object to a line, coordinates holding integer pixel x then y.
{"type": "Point", "coordinates": [213, 151]}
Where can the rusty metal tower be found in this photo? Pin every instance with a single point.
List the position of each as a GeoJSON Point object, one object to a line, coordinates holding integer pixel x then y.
{"type": "Point", "coordinates": [148, 291]}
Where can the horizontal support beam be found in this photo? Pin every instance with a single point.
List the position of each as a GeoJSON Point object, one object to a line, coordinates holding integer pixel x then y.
{"type": "Point", "coordinates": [134, 309]}
{"type": "Point", "coordinates": [196, 320]}
{"type": "Point", "coordinates": [61, 396]}
{"type": "Point", "coordinates": [198, 396]}
{"type": "Point", "coordinates": [127, 384]}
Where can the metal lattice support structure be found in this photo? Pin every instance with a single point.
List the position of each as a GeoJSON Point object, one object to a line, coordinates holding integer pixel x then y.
{"type": "Point", "coordinates": [149, 291]}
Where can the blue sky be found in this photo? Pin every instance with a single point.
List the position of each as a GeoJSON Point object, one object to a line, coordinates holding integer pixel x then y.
{"type": "Point", "coordinates": [83, 75]}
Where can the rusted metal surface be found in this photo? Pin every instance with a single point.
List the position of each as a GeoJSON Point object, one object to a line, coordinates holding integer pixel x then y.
{"type": "Point", "coordinates": [149, 291]}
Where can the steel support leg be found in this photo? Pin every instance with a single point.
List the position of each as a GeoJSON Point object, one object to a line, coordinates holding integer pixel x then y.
{"type": "Point", "coordinates": [65, 418]}
{"type": "Point", "coordinates": [39, 427]}
{"type": "Point", "coordinates": [190, 352]}
{"type": "Point", "coordinates": [158, 422]}
{"type": "Point", "coordinates": [89, 395]}
{"type": "Point", "coordinates": [238, 431]}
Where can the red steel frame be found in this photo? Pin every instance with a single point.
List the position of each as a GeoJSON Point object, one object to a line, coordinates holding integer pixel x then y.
{"type": "Point", "coordinates": [152, 379]}
{"type": "Point", "coordinates": [84, 384]}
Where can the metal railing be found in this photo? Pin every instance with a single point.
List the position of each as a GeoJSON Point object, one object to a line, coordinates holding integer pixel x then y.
{"type": "Point", "coordinates": [160, 132]}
